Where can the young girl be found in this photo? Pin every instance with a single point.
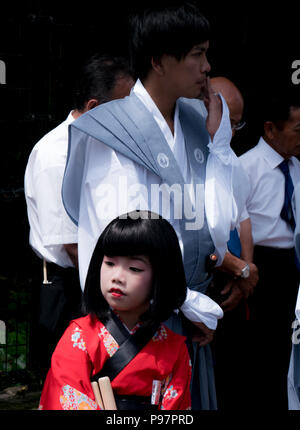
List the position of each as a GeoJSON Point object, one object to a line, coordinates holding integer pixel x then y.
{"type": "Point", "coordinates": [135, 281]}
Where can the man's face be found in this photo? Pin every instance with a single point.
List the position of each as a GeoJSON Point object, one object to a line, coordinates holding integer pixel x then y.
{"type": "Point", "coordinates": [236, 114]}
{"type": "Point", "coordinates": [286, 140]}
{"type": "Point", "coordinates": [187, 77]}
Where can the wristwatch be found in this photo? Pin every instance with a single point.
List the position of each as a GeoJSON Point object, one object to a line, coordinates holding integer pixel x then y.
{"type": "Point", "coordinates": [245, 272]}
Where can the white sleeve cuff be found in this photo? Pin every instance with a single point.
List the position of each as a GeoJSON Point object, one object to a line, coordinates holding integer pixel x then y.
{"type": "Point", "coordinates": [220, 146]}
{"type": "Point", "coordinates": [200, 308]}
{"type": "Point", "coordinates": [59, 239]}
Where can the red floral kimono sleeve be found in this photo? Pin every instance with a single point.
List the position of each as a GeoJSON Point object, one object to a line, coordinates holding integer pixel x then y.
{"type": "Point", "coordinates": [176, 391]}
{"type": "Point", "coordinates": [67, 385]}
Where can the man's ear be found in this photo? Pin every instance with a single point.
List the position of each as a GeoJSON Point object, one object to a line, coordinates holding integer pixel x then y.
{"type": "Point", "coordinates": [91, 104]}
{"type": "Point", "coordinates": [269, 129]}
{"type": "Point", "coordinates": [157, 65]}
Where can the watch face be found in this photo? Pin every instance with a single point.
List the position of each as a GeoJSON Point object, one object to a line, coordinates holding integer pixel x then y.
{"type": "Point", "coordinates": [246, 272]}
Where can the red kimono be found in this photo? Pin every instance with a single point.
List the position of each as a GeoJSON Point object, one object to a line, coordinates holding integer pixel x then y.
{"type": "Point", "coordinates": [82, 352]}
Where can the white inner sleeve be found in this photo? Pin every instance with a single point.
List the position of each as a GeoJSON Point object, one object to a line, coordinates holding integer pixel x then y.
{"type": "Point", "coordinates": [200, 308]}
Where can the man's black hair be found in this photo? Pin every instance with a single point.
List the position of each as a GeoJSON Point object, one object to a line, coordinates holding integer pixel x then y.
{"type": "Point", "coordinates": [98, 78]}
{"type": "Point", "coordinates": [277, 108]}
{"type": "Point", "coordinates": [171, 30]}
{"type": "Point", "coordinates": [137, 233]}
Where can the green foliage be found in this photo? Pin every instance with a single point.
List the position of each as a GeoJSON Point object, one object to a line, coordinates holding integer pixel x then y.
{"type": "Point", "coordinates": [13, 354]}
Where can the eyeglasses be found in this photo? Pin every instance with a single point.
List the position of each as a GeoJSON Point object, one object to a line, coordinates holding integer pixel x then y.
{"type": "Point", "coordinates": [237, 125]}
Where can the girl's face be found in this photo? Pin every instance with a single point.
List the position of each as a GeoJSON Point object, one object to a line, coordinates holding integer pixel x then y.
{"type": "Point", "coordinates": [126, 284]}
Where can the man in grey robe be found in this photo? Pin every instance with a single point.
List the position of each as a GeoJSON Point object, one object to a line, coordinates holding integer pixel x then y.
{"type": "Point", "coordinates": [162, 141]}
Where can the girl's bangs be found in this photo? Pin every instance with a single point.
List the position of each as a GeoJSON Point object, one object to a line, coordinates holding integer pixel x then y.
{"type": "Point", "coordinates": [128, 238]}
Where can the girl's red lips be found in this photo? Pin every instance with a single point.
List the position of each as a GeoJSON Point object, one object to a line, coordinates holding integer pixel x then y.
{"type": "Point", "coordinates": [116, 292]}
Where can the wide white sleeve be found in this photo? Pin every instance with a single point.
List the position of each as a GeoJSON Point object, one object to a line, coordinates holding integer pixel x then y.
{"type": "Point", "coordinates": [224, 195]}
{"type": "Point", "coordinates": [200, 308]}
{"type": "Point", "coordinates": [55, 225]}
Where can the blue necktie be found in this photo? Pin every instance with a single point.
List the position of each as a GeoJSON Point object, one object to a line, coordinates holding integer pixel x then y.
{"type": "Point", "coordinates": [234, 244]}
{"type": "Point", "coordinates": [287, 212]}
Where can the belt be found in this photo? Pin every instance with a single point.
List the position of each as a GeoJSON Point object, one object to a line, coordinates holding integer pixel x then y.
{"type": "Point", "coordinates": [273, 256]}
{"type": "Point", "coordinates": [271, 250]}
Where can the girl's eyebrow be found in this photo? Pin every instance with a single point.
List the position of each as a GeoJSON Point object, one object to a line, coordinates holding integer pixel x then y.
{"type": "Point", "coordinates": [140, 258]}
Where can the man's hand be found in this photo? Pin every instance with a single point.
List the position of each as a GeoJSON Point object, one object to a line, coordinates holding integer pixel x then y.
{"type": "Point", "coordinates": [202, 334]}
{"type": "Point", "coordinates": [234, 265]}
{"type": "Point", "coordinates": [213, 105]}
{"type": "Point", "coordinates": [235, 297]}
{"type": "Point", "coordinates": [72, 250]}
{"type": "Point", "coordinates": [247, 285]}
{"type": "Point", "coordinates": [240, 288]}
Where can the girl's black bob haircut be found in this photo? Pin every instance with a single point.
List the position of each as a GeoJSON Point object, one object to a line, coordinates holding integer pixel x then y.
{"type": "Point", "coordinates": [140, 233]}
{"type": "Point", "coordinates": [172, 30]}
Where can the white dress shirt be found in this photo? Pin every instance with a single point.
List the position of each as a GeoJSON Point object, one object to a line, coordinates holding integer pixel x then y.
{"type": "Point", "coordinates": [266, 198]}
{"type": "Point", "coordinates": [50, 226]}
{"type": "Point", "coordinates": [107, 172]}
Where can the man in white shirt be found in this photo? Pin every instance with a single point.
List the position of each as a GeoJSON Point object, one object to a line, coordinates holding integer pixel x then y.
{"type": "Point", "coordinates": [273, 171]}
{"type": "Point", "coordinates": [149, 140]}
{"type": "Point", "coordinates": [53, 236]}
{"type": "Point", "coordinates": [230, 289]}
{"type": "Point", "coordinates": [236, 259]}
{"type": "Point", "coordinates": [294, 367]}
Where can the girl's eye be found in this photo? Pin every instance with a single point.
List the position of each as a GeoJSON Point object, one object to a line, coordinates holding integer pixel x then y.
{"type": "Point", "coordinates": [109, 263]}
{"type": "Point", "coordinates": [135, 269]}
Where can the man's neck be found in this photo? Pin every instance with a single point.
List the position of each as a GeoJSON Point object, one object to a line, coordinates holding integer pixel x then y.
{"type": "Point", "coordinates": [164, 102]}
{"type": "Point", "coordinates": [76, 113]}
{"type": "Point", "coordinates": [276, 148]}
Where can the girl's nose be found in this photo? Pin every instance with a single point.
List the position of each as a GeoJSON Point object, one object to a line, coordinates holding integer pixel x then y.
{"type": "Point", "coordinates": [118, 275]}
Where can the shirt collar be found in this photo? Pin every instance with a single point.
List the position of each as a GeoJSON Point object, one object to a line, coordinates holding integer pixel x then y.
{"type": "Point", "coordinates": [70, 118]}
{"type": "Point", "coordinates": [145, 97]}
{"type": "Point", "coordinates": [270, 155]}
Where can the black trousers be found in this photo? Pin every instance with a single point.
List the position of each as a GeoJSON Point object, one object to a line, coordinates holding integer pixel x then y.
{"type": "Point", "coordinates": [272, 311]}
{"type": "Point", "coordinates": [230, 351]}
{"type": "Point", "coordinates": [54, 306]}
{"type": "Point", "coordinates": [253, 342]}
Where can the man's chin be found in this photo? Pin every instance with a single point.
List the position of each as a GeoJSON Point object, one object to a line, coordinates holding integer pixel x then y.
{"type": "Point", "coordinates": [199, 96]}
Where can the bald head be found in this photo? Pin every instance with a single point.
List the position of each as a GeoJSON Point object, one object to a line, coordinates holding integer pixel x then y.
{"type": "Point", "coordinates": [231, 94]}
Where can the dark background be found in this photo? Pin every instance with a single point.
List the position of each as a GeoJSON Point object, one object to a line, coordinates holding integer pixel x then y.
{"type": "Point", "coordinates": [43, 44]}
